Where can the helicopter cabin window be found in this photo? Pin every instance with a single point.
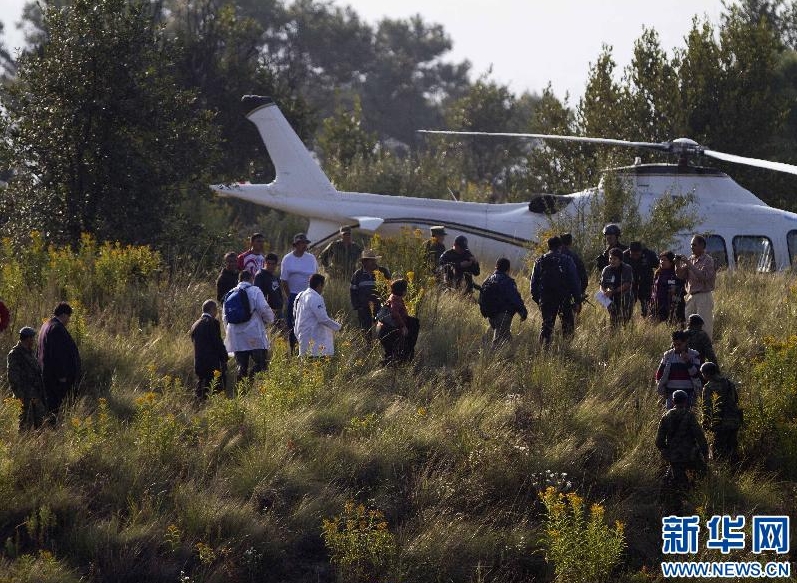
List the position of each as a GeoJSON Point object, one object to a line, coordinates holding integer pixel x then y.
{"type": "Point", "coordinates": [751, 252]}
{"type": "Point", "coordinates": [715, 246]}
{"type": "Point", "coordinates": [791, 240]}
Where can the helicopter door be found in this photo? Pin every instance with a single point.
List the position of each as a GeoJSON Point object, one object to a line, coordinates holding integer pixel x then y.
{"type": "Point", "coordinates": [715, 246]}
{"type": "Point", "coordinates": [754, 252]}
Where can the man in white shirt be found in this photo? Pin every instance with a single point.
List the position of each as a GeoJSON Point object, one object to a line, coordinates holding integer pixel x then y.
{"type": "Point", "coordinates": [314, 328]}
{"type": "Point", "coordinates": [295, 271]}
{"type": "Point", "coordinates": [248, 339]}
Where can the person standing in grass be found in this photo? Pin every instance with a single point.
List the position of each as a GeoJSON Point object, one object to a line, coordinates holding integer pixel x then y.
{"type": "Point", "coordinates": [699, 340]}
{"type": "Point", "coordinates": [228, 277]}
{"type": "Point", "coordinates": [25, 378]}
{"type": "Point", "coordinates": [59, 358]}
{"type": "Point", "coordinates": [682, 442]}
{"type": "Point", "coordinates": [700, 275]}
{"type": "Point", "coordinates": [247, 337]}
{"type": "Point", "coordinates": [581, 270]}
{"type": "Point", "coordinates": [679, 369]}
{"type": "Point", "coordinates": [499, 301]}
{"type": "Point", "coordinates": [297, 267]}
{"type": "Point", "coordinates": [458, 266]}
{"type": "Point", "coordinates": [721, 413]}
{"type": "Point", "coordinates": [555, 288]}
{"type": "Point", "coordinates": [269, 284]}
{"type": "Point", "coordinates": [667, 296]}
{"type": "Point", "coordinates": [314, 328]}
{"type": "Point", "coordinates": [642, 261]}
{"type": "Point", "coordinates": [617, 278]}
{"type": "Point", "coordinates": [362, 292]}
{"type": "Point", "coordinates": [398, 333]}
{"type": "Point", "coordinates": [210, 354]}
{"type": "Point", "coordinates": [253, 260]}
{"type": "Point", "coordinates": [434, 247]}
{"type": "Point", "coordinates": [340, 257]}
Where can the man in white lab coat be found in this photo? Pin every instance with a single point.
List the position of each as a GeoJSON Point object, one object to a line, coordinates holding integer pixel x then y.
{"type": "Point", "coordinates": [312, 325]}
{"type": "Point", "coordinates": [248, 339]}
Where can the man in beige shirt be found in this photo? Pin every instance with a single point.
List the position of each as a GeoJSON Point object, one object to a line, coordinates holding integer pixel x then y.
{"type": "Point", "coordinates": [700, 275]}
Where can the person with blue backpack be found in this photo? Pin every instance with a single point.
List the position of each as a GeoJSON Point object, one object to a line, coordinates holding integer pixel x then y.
{"type": "Point", "coordinates": [499, 301]}
{"type": "Point", "coordinates": [246, 314]}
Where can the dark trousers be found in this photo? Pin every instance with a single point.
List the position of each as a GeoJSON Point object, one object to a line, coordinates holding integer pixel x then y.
{"type": "Point", "coordinates": [56, 392]}
{"type": "Point", "coordinates": [644, 305]}
{"type": "Point", "coordinates": [366, 319]}
{"type": "Point", "coordinates": [33, 413]}
{"type": "Point", "coordinates": [399, 349]}
{"type": "Point", "coordinates": [501, 325]}
{"type": "Point", "coordinates": [620, 310]}
{"type": "Point", "coordinates": [550, 309]}
{"type": "Point", "coordinates": [289, 321]}
{"type": "Point", "coordinates": [259, 362]}
{"type": "Point", "coordinates": [205, 382]}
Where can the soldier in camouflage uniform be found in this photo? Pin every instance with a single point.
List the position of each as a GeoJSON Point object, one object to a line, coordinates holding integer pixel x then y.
{"type": "Point", "coordinates": [682, 442]}
{"type": "Point", "coordinates": [25, 378]}
{"type": "Point", "coordinates": [699, 340]}
{"type": "Point", "coordinates": [721, 413]}
{"type": "Point", "coordinates": [341, 258]}
{"type": "Point", "coordinates": [434, 247]}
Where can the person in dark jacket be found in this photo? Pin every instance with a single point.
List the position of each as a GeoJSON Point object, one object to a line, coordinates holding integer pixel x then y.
{"type": "Point", "coordinates": [434, 247]}
{"type": "Point", "coordinates": [269, 284]}
{"type": "Point", "coordinates": [555, 288]}
{"type": "Point", "coordinates": [682, 442]}
{"type": "Point", "coordinates": [458, 266]}
{"type": "Point", "coordinates": [643, 262]}
{"type": "Point", "coordinates": [228, 277]}
{"type": "Point", "coordinates": [210, 355]}
{"type": "Point", "coordinates": [398, 334]}
{"type": "Point", "coordinates": [617, 278]}
{"type": "Point", "coordinates": [59, 358]}
{"type": "Point", "coordinates": [581, 270]}
{"type": "Point", "coordinates": [699, 340]}
{"type": "Point", "coordinates": [25, 378]}
{"type": "Point", "coordinates": [505, 302]}
{"type": "Point", "coordinates": [667, 296]}
{"type": "Point", "coordinates": [362, 291]}
{"type": "Point", "coordinates": [611, 234]}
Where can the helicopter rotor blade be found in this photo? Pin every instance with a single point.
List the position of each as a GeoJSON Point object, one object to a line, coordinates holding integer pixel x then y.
{"type": "Point", "coordinates": [767, 164]}
{"type": "Point", "coordinates": [602, 141]}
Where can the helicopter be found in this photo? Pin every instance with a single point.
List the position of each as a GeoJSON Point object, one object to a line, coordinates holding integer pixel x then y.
{"type": "Point", "coordinates": [740, 228]}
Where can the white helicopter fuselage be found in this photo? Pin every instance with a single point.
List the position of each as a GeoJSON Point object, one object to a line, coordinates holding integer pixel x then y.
{"type": "Point", "coordinates": [741, 227]}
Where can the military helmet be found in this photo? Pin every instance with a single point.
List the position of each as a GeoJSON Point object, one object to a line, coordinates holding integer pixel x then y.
{"type": "Point", "coordinates": [611, 229]}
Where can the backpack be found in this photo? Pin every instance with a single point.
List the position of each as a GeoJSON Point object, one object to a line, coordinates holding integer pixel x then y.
{"type": "Point", "coordinates": [383, 316]}
{"type": "Point", "coordinates": [236, 306]}
{"type": "Point", "coordinates": [553, 279]}
{"type": "Point", "coordinates": [489, 301]}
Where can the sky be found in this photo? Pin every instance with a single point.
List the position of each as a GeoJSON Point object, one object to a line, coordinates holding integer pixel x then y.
{"type": "Point", "coordinates": [524, 43]}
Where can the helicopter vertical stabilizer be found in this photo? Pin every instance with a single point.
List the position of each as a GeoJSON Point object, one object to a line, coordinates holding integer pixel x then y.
{"type": "Point", "coordinates": [297, 171]}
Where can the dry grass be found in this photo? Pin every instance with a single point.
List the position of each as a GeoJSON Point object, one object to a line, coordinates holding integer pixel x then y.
{"type": "Point", "coordinates": [145, 484]}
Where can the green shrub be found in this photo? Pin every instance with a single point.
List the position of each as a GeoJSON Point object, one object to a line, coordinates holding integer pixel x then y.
{"type": "Point", "coordinates": [579, 543]}
{"type": "Point", "coordinates": [361, 546]}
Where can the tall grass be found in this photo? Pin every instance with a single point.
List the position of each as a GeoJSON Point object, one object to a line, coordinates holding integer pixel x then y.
{"type": "Point", "coordinates": [450, 453]}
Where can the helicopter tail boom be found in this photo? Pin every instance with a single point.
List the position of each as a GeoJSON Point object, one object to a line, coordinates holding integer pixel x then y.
{"type": "Point", "coordinates": [297, 170]}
